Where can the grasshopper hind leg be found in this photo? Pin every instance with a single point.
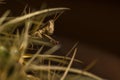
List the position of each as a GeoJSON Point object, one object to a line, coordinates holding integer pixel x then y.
{"type": "Point", "coordinates": [51, 39]}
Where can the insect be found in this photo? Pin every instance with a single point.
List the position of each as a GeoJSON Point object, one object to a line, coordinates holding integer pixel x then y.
{"type": "Point", "coordinates": [47, 30]}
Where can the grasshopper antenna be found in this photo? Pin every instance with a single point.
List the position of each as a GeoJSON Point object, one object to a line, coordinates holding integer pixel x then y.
{"type": "Point", "coordinates": [57, 16]}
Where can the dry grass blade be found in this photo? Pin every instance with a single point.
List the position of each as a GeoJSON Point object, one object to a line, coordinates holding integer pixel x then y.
{"type": "Point", "coordinates": [25, 36]}
{"type": "Point", "coordinates": [40, 42]}
{"type": "Point", "coordinates": [24, 42]}
{"type": "Point", "coordinates": [22, 18]}
{"type": "Point", "coordinates": [60, 57]}
{"type": "Point", "coordinates": [74, 46]}
{"type": "Point", "coordinates": [3, 18]}
{"type": "Point", "coordinates": [59, 68]}
{"type": "Point", "coordinates": [68, 68]}
{"type": "Point", "coordinates": [54, 58]}
{"type": "Point", "coordinates": [90, 65]}
{"type": "Point", "coordinates": [52, 50]}
{"type": "Point", "coordinates": [33, 57]}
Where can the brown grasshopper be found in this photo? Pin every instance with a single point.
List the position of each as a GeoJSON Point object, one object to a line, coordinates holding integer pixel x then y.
{"type": "Point", "coordinates": [47, 30]}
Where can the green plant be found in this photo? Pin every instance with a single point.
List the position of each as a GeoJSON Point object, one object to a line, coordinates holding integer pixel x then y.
{"type": "Point", "coordinates": [25, 56]}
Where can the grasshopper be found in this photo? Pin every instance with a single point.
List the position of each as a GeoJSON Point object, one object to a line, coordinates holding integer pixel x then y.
{"type": "Point", "coordinates": [47, 30]}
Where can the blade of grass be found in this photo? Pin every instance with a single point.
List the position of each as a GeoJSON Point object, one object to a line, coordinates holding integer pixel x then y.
{"type": "Point", "coordinates": [59, 68]}
{"type": "Point", "coordinates": [90, 65]}
{"type": "Point", "coordinates": [34, 56]}
{"type": "Point", "coordinates": [52, 56]}
{"type": "Point", "coordinates": [22, 18]}
{"type": "Point", "coordinates": [52, 50]}
{"type": "Point", "coordinates": [24, 42]}
{"type": "Point", "coordinates": [74, 46]}
{"type": "Point", "coordinates": [3, 18]}
{"type": "Point", "coordinates": [68, 68]}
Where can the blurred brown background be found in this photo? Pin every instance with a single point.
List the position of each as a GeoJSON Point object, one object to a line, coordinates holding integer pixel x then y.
{"type": "Point", "coordinates": [94, 23]}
